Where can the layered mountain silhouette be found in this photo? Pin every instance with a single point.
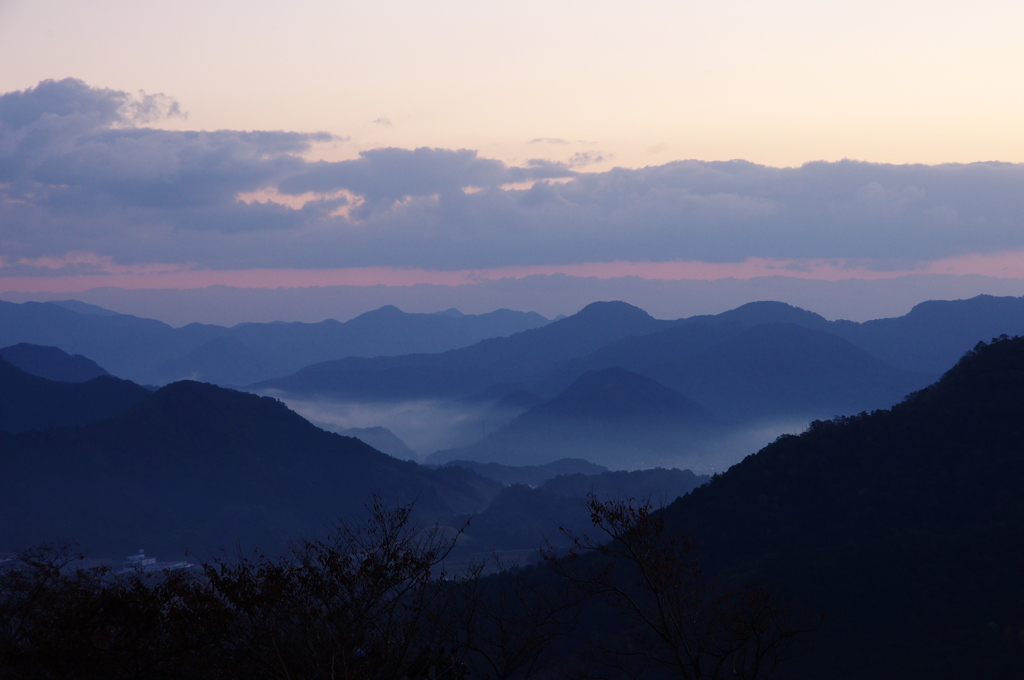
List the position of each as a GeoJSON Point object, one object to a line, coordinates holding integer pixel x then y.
{"type": "Point", "coordinates": [934, 334]}
{"type": "Point", "coordinates": [785, 370]}
{"type": "Point", "coordinates": [52, 363]}
{"type": "Point", "coordinates": [30, 402]}
{"type": "Point", "coordinates": [151, 352]}
{"type": "Point", "coordinates": [382, 439]}
{"type": "Point", "coordinates": [201, 467]}
{"type": "Point", "coordinates": [612, 417]}
{"type": "Point", "coordinates": [530, 475]}
{"type": "Point", "coordinates": [903, 527]}
{"type": "Point", "coordinates": [524, 518]}
{"type": "Point", "coordinates": [510, 361]}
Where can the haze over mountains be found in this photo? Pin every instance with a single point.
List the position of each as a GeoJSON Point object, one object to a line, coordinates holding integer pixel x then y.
{"type": "Point", "coordinates": [756, 371]}
{"type": "Point", "coordinates": [151, 352]}
{"type": "Point", "coordinates": [612, 417]}
{"type": "Point", "coordinates": [763, 369]}
{"type": "Point", "coordinates": [112, 465]}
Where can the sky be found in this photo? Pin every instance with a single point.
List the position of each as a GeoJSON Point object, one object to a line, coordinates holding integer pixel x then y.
{"type": "Point", "coordinates": [258, 144]}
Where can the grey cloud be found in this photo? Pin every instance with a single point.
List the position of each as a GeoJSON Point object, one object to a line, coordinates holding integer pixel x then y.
{"type": "Point", "coordinates": [387, 175]}
{"type": "Point", "coordinates": [581, 159]}
{"type": "Point", "coordinates": [79, 173]}
{"type": "Point", "coordinates": [384, 120]}
{"type": "Point", "coordinates": [67, 141]}
{"type": "Point", "coordinates": [548, 140]}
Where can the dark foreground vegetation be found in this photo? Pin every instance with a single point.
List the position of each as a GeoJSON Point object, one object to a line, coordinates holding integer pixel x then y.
{"type": "Point", "coordinates": [374, 601]}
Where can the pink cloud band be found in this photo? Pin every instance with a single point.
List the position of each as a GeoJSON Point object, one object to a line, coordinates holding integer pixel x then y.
{"type": "Point", "coordinates": [49, 277]}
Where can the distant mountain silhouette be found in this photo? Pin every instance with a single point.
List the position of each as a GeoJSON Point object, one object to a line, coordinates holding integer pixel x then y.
{"type": "Point", "coordinates": [31, 402]}
{"type": "Point", "coordinates": [152, 352]}
{"type": "Point", "coordinates": [927, 340]}
{"type": "Point", "coordinates": [783, 370]}
{"type": "Point", "coordinates": [903, 527]}
{"type": "Point", "coordinates": [743, 373]}
{"type": "Point", "coordinates": [83, 307]}
{"type": "Point", "coordinates": [518, 359]}
{"type": "Point", "coordinates": [201, 467]}
{"type": "Point", "coordinates": [530, 475]}
{"type": "Point", "coordinates": [225, 360]}
{"type": "Point", "coordinates": [934, 334]}
{"type": "Point", "coordinates": [757, 313]}
{"type": "Point", "coordinates": [52, 363]}
{"type": "Point", "coordinates": [612, 417]}
{"type": "Point", "coordinates": [382, 439]}
{"type": "Point", "coordinates": [521, 518]}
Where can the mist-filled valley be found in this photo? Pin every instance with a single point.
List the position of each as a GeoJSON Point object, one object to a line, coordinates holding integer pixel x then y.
{"type": "Point", "coordinates": [779, 444]}
{"type": "Point", "coordinates": [437, 431]}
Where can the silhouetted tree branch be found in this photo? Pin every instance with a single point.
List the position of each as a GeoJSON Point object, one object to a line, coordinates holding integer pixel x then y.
{"type": "Point", "coordinates": [670, 620]}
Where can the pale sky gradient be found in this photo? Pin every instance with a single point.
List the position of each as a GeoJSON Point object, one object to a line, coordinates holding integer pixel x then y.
{"type": "Point", "coordinates": [322, 143]}
{"type": "Point", "coordinates": [778, 83]}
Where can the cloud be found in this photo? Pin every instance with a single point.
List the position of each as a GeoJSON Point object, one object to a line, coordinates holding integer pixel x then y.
{"type": "Point", "coordinates": [81, 173]}
{"type": "Point", "coordinates": [548, 140]}
{"type": "Point", "coordinates": [581, 159]}
{"type": "Point", "coordinates": [384, 120]}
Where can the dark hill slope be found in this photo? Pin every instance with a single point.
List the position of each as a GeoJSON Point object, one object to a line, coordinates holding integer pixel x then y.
{"type": "Point", "coordinates": [198, 466]}
{"type": "Point", "coordinates": [520, 358]}
{"type": "Point", "coordinates": [522, 518]}
{"type": "Point", "coordinates": [51, 363]}
{"type": "Point", "coordinates": [611, 417]}
{"type": "Point", "coordinates": [30, 402]}
{"type": "Point", "coordinates": [905, 526]}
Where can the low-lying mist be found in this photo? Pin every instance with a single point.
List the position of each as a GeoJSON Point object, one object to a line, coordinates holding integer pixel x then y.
{"type": "Point", "coordinates": [431, 425]}
{"type": "Point", "coordinates": [425, 425]}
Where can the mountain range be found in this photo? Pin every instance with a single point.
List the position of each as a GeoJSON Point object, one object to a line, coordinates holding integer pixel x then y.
{"type": "Point", "coordinates": [151, 352]}
{"type": "Point", "coordinates": [761, 368]}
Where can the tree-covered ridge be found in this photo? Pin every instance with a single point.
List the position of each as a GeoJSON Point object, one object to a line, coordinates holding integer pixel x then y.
{"type": "Point", "coordinates": [903, 525]}
{"type": "Point", "coordinates": [199, 466]}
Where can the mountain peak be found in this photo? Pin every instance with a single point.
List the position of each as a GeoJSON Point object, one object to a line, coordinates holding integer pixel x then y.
{"type": "Point", "coordinates": [620, 393]}
{"type": "Point", "coordinates": [52, 363]}
{"type": "Point", "coordinates": [451, 312]}
{"type": "Point", "coordinates": [612, 309]}
{"type": "Point", "coordinates": [767, 311]}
